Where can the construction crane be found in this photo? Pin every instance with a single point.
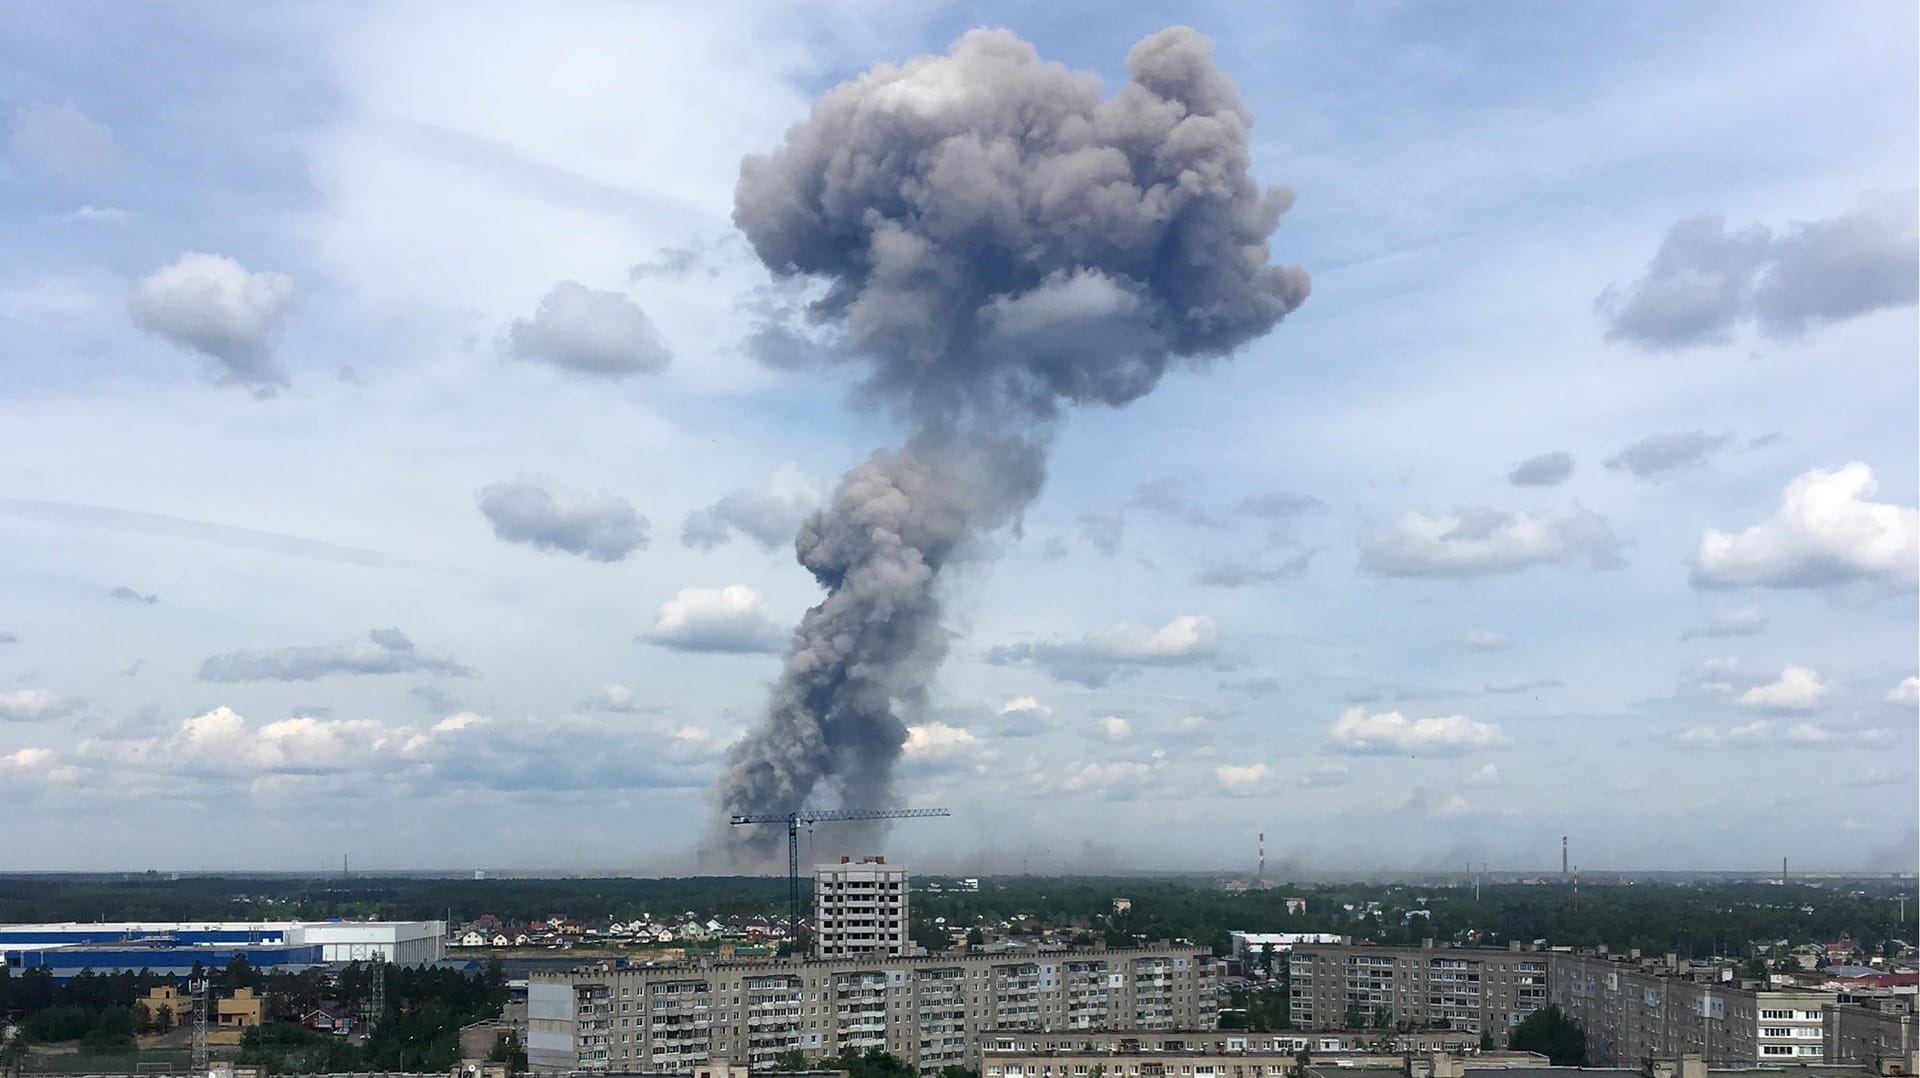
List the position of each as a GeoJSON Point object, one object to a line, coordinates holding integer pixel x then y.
{"type": "Point", "coordinates": [793, 820]}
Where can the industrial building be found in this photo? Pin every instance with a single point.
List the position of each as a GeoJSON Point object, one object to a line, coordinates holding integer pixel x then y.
{"type": "Point", "coordinates": [928, 1011]}
{"type": "Point", "coordinates": [1250, 948]}
{"type": "Point", "coordinates": [175, 947]}
{"type": "Point", "coordinates": [1473, 989]}
{"type": "Point", "coordinates": [860, 908]}
{"type": "Point", "coordinates": [1636, 1008]}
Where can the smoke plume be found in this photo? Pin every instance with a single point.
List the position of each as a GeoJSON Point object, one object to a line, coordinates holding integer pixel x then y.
{"type": "Point", "coordinates": [994, 238]}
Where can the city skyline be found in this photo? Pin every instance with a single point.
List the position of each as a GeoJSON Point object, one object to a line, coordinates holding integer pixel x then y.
{"type": "Point", "coordinates": [399, 436]}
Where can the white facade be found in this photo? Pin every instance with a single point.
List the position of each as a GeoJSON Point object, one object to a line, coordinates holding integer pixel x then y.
{"type": "Point", "coordinates": [860, 908]}
{"type": "Point", "coordinates": [403, 943]}
{"type": "Point", "coordinates": [1247, 944]}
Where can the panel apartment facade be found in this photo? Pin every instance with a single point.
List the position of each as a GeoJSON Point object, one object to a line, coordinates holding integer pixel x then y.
{"type": "Point", "coordinates": [1471, 989]}
{"type": "Point", "coordinates": [1879, 1034]}
{"type": "Point", "coordinates": [928, 1011]}
{"type": "Point", "coordinates": [1634, 1010]}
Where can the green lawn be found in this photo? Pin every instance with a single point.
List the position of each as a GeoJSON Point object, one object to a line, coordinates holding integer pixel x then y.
{"type": "Point", "coordinates": [179, 1060]}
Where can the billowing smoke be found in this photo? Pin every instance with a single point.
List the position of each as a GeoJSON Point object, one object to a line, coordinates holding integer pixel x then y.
{"type": "Point", "coordinates": [995, 237]}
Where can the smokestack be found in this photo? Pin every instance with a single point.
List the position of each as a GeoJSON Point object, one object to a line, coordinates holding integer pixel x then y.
{"type": "Point", "coordinates": [1563, 856]}
{"type": "Point", "coordinates": [991, 239]}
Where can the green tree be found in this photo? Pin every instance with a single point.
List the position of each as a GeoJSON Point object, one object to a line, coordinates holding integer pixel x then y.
{"type": "Point", "coordinates": [163, 1019]}
{"type": "Point", "coordinates": [1486, 1041]}
{"type": "Point", "coordinates": [1554, 1035]}
{"type": "Point", "coordinates": [510, 1051]}
{"type": "Point", "coordinates": [1301, 1061]}
{"type": "Point", "coordinates": [1354, 1018]}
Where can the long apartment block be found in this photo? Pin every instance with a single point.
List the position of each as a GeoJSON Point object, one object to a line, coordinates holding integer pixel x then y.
{"type": "Point", "coordinates": [1470, 989]}
{"type": "Point", "coordinates": [1634, 1009]}
{"type": "Point", "coordinates": [924, 1010]}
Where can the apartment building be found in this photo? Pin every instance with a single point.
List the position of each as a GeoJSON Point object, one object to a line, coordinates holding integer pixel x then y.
{"type": "Point", "coordinates": [925, 1010]}
{"type": "Point", "coordinates": [1471, 989]}
{"type": "Point", "coordinates": [1234, 1053]}
{"type": "Point", "coordinates": [860, 908]}
{"type": "Point", "coordinates": [1879, 1034]}
{"type": "Point", "coordinates": [1634, 1009]}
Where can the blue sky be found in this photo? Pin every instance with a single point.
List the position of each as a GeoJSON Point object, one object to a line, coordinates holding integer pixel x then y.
{"type": "Point", "coordinates": [260, 277]}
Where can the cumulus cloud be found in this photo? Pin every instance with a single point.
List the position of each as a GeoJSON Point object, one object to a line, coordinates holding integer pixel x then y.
{"type": "Point", "coordinates": [1230, 573]}
{"type": "Point", "coordinates": [222, 750]}
{"type": "Point", "coordinates": [1111, 778]}
{"type": "Point", "coordinates": [1797, 689]}
{"type": "Point", "coordinates": [1483, 640]}
{"type": "Point", "coordinates": [1906, 694]}
{"type": "Point", "coordinates": [1484, 776]}
{"type": "Point", "coordinates": [1827, 532]}
{"type": "Point", "coordinates": [216, 307]}
{"type": "Point", "coordinates": [1392, 734]}
{"type": "Point", "coordinates": [586, 331]}
{"type": "Point", "coordinates": [769, 515]}
{"type": "Point", "coordinates": [126, 594]}
{"type": "Point", "coordinates": [1113, 728]}
{"type": "Point", "coordinates": [1326, 775]}
{"type": "Point", "coordinates": [1772, 734]}
{"type": "Point", "coordinates": [615, 697]}
{"type": "Point", "coordinates": [63, 139]}
{"type": "Point", "coordinates": [1742, 621]}
{"type": "Point", "coordinates": [36, 705]}
{"type": "Point", "coordinates": [1242, 780]}
{"type": "Point", "coordinates": [384, 651]}
{"type": "Point", "coordinates": [1119, 651]}
{"type": "Point", "coordinates": [728, 620]}
{"type": "Point", "coordinates": [1482, 542]}
{"type": "Point", "coordinates": [937, 741]}
{"type": "Point", "coordinates": [1545, 470]}
{"type": "Point", "coordinates": [546, 516]}
{"type": "Point", "coordinates": [1706, 280]}
{"type": "Point", "coordinates": [1666, 451]}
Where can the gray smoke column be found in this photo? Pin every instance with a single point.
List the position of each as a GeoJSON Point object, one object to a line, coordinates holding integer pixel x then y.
{"type": "Point", "coordinates": [995, 237]}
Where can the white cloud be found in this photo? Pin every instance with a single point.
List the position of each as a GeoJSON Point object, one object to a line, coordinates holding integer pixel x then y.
{"type": "Point", "coordinates": [213, 305]}
{"type": "Point", "coordinates": [1775, 735]}
{"type": "Point", "coordinates": [937, 740]}
{"type": "Point", "coordinates": [1242, 779]}
{"type": "Point", "coordinates": [1452, 805]}
{"type": "Point", "coordinates": [732, 619]}
{"type": "Point", "coordinates": [1826, 533]}
{"type": "Point", "coordinates": [1484, 542]}
{"type": "Point", "coordinates": [1483, 640]}
{"type": "Point", "coordinates": [1906, 694]}
{"type": "Point", "coordinates": [1485, 775]}
{"type": "Point", "coordinates": [36, 705]}
{"type": "Point", "coordinates": [1118, 651]}
{"type": "Point", "coordinates": [1797, 689]}
{"type": "Point", "coordinates": [590, 332]}
{"type": "Point", "coordinates": [1025, 705]}
{"type": "Point", "coordinates": [769, 515]}
{"type": "Point", "coordinates": [1114, 728]}
{"type": "Point", "coordinates": [617, 698]}
{"type": "Point", "coordinates": [1393, 734]}
{"type": "Point", "coordinates": [1110, 777]}
{"type": "Point", "coordinates": [1744, 621]}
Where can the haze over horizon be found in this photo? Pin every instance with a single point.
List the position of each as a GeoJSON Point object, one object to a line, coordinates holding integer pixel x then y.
{"type": "Point", "coordinates": [402, 450]}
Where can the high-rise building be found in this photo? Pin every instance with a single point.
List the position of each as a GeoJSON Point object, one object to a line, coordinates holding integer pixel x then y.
{"type": "Point", "coordinates": [1462, 988]}
{"type": "Point", "coordinates": [929, 1011]}
{"type": "Point", "coordinates": [860, 908]}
